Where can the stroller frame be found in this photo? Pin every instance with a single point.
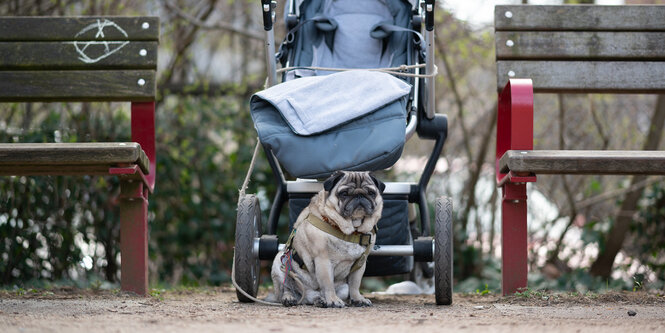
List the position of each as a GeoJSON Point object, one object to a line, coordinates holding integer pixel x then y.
{"type": "Point", "coordinates": [252, 246]}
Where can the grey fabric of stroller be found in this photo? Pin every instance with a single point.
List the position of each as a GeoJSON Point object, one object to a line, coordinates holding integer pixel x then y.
{"type": "Point", "coordinates": [362, 144]}
{"type": "Point", "coordinates": [353, 46]}
{"type": "Point", "coordinates": [393, 230]}
{"type": "Point", "coordinates": [314, 104]}
{"type": "Point", "coordinates": [371, 142]}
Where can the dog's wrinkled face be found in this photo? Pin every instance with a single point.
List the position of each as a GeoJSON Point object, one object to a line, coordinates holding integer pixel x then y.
{"type": "Point", "coordinates": [355, 195]}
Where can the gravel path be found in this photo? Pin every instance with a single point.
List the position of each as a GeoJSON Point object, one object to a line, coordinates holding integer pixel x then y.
{"type": "Point", "coordinates": [217, 310]}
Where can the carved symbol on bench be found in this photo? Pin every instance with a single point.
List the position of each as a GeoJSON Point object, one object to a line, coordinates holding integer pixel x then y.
{"type": "Point", "coordinates": [93, 51]}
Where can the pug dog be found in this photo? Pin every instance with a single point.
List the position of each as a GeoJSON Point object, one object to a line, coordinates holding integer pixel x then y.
{"type": "Point", "coordinates": [325, 257]}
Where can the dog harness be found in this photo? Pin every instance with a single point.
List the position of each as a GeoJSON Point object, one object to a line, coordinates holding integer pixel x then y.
{"type": "Point", "coordinates": [355, 238]}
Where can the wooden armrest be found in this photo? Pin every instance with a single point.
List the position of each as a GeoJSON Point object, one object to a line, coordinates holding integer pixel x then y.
{"type": "Point", "coordinates": [70, 158]}
{"type": "Point", "coordinates": [613, 162]}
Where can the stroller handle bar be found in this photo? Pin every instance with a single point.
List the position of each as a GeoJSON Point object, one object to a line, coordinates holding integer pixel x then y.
{"type": "Point", "coordinates": [429, 41]}
{"type": "Point", "coordinates": [268, 7]}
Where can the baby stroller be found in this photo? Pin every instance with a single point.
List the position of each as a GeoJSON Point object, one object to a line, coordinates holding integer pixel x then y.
{"type": "Point", "coordinates": [327, 34]}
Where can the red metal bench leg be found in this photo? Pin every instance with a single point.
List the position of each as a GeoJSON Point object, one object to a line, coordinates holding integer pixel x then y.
{"type": "Point", "coordinates": [514, 131]}
{"type": "Point", "coordinates": [134, 236]}
{"type": "Point", "coordinates": [143, 132]}
{"type": "Point", "coordinates": [513, 238]}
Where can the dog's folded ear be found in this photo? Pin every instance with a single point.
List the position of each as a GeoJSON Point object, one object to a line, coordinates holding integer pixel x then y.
{"type": "Point", "coordinates": [329, 183]}
{"type": "Point", "coordinates": [379, 184]}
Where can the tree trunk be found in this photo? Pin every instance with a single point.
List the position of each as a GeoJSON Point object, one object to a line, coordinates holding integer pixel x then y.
{"type": "Point", "coordinates": [470, 187]}
{"type": "Point", "coordinates": [614, 242]}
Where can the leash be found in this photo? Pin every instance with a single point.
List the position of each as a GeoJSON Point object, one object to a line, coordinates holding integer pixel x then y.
{"type": "Point", "coordinates": [235, 284]}
{"type": "Point", "coordinates": [241, 192]}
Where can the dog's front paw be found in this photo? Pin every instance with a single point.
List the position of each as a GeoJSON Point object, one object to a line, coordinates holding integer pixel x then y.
{"type": "Point", "coordinates": [361, 302]}
{"type": "Point", "coordinates": [334, 303]}
{"type": "Point", "coordinates": [289, 300]}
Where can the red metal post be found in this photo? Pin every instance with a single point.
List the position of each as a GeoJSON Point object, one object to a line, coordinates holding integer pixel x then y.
{"type": "Point", "coordinates": [514, 132]}
{"type": "Point", "coordinates": [134, 236]}
{"type": "Point", "coordinates": [513, 238]}
{"type": "Point", "coordinates": [143, 132]}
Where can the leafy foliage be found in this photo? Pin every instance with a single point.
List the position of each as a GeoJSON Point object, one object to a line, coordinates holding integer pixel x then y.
{"type": "Point", "coordinates": [204, 150]}
{"type": "Point", "coordinates": [649, 232]}
{"type": "Point", "coordinates": [67, 227]}
{"type": "Point", "coordinates": [48, 225]}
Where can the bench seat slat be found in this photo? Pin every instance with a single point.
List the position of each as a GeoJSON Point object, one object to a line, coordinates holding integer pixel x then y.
{"type": "Point", "coordinates": [58, 170]}
{"type": "Point", "coordinates": [586, 76]}
{"type": "Point", "coordinates": [538, 45]}
{"type": "Point", "coordinates": [614, 162]}
{"type": "Point", "coordinates": [580, 17]}
{"type": "Point", "coordinates": [78, 28]}
{"type": "Point", "coordinates": [93, 156]}
{"type": "Point", "coordinates": [101, 85]}
{"type": "Point", "coordinates": [78, 55]}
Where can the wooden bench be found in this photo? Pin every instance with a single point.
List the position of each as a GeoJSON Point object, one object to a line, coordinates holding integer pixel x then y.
{"type": "Point", "coordinates": [49, 59]}
{"type": "Point", "coordinates": [566, 49]}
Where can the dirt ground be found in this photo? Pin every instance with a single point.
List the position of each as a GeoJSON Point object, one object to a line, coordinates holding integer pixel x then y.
{"type": "Point", "coordinates": [202, 310]}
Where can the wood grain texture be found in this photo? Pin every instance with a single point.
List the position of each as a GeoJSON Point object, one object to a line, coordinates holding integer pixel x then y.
{"type": "Point", "coordinates": [101, 85]}
{"type": "Point", "coordinates": [580, 17]}
{"type": "Point", "coordinates": [55, 170]}
{"type": "Point", "coordinates": [89, 156]}
{"type": "Point", "coordinates": [587, 45]}
{"type": "Point", "coordinates": [77, 55]}
{"type": "Point", "coordinates": [615, 162]}
{"type": "Point", "coordinates": [586, 76]}
{"type": "Point", "coordinates": [110, 28]}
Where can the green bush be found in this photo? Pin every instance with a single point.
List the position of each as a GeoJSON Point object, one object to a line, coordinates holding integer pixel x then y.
{"type": "Point", "coordinates": [67, 227]}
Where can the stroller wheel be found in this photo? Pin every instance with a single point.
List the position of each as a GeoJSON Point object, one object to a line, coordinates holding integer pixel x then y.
{"type": "Point", "coordinates": [443, 252]}
{"type": "Point", "coordinates": [247, 265]}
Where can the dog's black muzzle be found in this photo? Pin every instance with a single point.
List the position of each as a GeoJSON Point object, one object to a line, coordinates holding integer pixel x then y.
{"type": "Point", "coordinates": [359, 201]}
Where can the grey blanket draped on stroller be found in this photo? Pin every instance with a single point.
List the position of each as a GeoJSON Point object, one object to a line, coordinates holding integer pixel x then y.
{"type": "Point", "coordinates": [311, 124]}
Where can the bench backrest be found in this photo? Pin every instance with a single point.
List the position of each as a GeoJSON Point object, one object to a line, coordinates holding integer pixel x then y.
{"type": "Point", "coordinates": [78, 59]}
{"type": "Point", "coordinates": [582, 48]}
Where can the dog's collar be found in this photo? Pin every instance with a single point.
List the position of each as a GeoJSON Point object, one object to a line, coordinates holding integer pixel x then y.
{"type": "Point", "coordinates": [356, 237]}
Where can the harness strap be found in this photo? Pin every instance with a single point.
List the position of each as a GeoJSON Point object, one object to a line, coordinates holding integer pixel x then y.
{"type": "Point", "coordinates": [296, 257]}
{"type": "Point", "coordinates": [327, 25]}
{"type": "Point", "coordinates": [360, 261]}
{"type": "Point", "coordinates": [383, 30]}
{"type": "Point", "coordinates": [356, 238]}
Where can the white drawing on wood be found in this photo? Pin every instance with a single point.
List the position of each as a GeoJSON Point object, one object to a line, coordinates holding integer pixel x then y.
{"type": "Point", "coordinates": [109, 47]}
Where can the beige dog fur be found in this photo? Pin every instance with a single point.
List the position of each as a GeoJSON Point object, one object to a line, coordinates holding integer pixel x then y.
{"type": "Point", "coordinates": [352, 202]}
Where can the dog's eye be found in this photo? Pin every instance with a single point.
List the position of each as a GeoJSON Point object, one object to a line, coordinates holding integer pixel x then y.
{"type": "Point", "coordinates": [371, 193]}
{"type": "Point", "coordinates": [343, 193]}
